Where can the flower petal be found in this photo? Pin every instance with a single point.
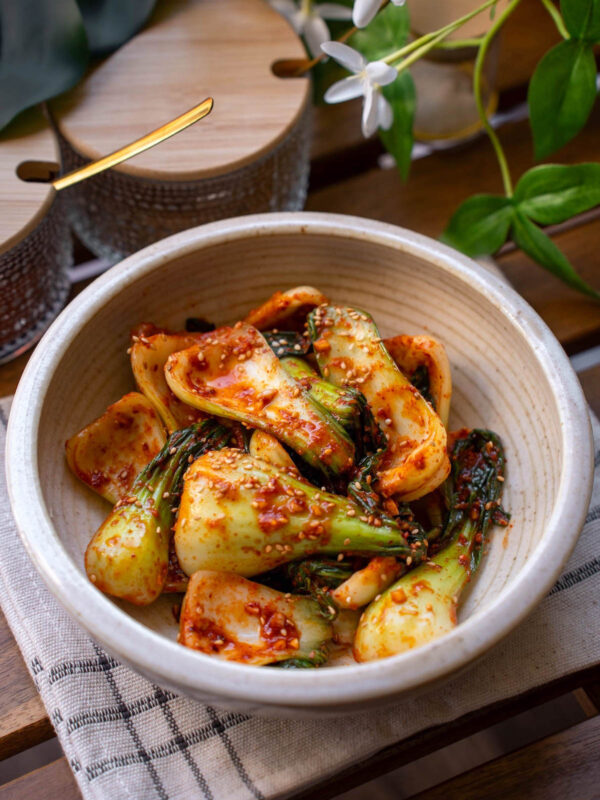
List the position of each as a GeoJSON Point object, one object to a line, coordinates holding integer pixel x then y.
{"type": "Point", "coordinates": [385, 114]}
{"type": "Point", "coordinates": [381, 73]}
{"type": "Point", "coordinates": [346, 56]}
{"type": "Point", "coordinates": [315, 32]}
{"type": "Point", "coordinates": [369, 115]}
{"type": "Point", "coordinates": [364, 11]}
{"type": "Point", "coordinates": [287, 8]}
{"type": "Point", "coordinates": [332, 11]}
{"type": "Point", "coordinates": [346, 89]}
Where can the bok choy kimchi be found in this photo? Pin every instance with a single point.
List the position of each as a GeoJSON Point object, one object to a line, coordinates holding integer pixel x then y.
{"type": "Point", "coordinates": [291, 482]}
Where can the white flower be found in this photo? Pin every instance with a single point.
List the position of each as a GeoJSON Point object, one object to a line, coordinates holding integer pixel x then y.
{"type": "Point", "coordinates": [367, 79]}
{"type": "Point", "coordinates": [308, 20]}
{"type": "Point", "coordinates": [365, 10]}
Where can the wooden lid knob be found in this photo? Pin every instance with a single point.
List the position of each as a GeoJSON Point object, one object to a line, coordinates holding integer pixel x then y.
{"type": "Point", "coordinates": [191, 49]}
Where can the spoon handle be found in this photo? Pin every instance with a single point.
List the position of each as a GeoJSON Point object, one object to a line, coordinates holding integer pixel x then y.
{"type": "Point", "coordinates": [149, 140]}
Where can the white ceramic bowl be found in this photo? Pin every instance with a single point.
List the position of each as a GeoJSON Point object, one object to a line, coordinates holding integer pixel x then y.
{"type": "Point", "coordinates": [510, 374]}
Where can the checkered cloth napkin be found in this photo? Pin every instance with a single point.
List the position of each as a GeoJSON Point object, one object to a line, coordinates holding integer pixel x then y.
{"type": "Point", "coordinates": [126, 738]}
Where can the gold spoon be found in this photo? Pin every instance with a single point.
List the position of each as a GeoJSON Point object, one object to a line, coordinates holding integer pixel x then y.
{"type": "Point", "coordinates": [33, 171]}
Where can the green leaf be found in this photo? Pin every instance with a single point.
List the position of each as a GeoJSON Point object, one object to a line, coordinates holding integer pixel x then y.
{"type": "Point", "coordinates": [543, 251]}
{"type": "Point", "coordinates": [480, 225]}
{"type": "Point", "coordinates": [582, 18]}
{"type": "Point", "coordinates": [552, 193]}
{"type": "Point", "coordinates": [110, 23]}
{"type": "Point", "coordinates": [43, 52]}
{"type": "Point", "coordinates": [388, 31]}
{"type": "Point", "coordinates": [562, 92]}
{"type": "Point", "coordinates": [398, 140]}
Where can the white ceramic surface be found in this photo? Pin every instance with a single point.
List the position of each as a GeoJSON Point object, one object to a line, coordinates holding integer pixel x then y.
{"type": "Point", "coordinates": [509, 372]}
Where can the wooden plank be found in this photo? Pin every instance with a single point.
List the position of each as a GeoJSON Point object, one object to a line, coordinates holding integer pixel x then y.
{"type": "Point", "coordinates": [590, 380]}
{"type": "Point", "coordinates": [439, 184]}
{"type": "Point", "coordinates": [527, 35]}
{"type": "Point", "coordinates": [563, 765]}
{"type": "Point", "coordinates": [51, 782]}
{"type": "Point", "coordinates": [10, 374]}
{"type": "Point", "coordinates": [23, 721]}
{"type": "Point", "coordinates": [432, 739]}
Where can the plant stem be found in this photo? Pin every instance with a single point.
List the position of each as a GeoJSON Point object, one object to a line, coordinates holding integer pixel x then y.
{"type": "Point", "coordinates": [457, 44]}
{"type": "Point", "coordinates": [437, 35]}
{"type": "Point", "coordinates": [477, 73]}
{"type": "Point", "coordinates": [421, 52]}
{"type": "Point", "coordinates": [557, 17]}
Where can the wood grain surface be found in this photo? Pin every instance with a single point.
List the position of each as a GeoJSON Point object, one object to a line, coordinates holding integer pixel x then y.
{"type": "Point", "coordinates": [225, 48]}
{"type": "Point", "coordinates": [54, 781]}
{"type": "Point", "coordinates": [563, 765]}
{"type": "Point", "coordinates": [23, 204]}
{"type": "Point", "coordinates": [23, 721]}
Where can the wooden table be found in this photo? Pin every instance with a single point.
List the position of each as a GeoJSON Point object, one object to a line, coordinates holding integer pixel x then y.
{"type": "Point", "coordinates": [346, 179]}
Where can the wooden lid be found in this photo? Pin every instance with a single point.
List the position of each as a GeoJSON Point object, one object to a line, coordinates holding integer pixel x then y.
{"type": "Point", "coordinates": [191, 49]}
{"type": "Point", "coordinates": [23, 205]}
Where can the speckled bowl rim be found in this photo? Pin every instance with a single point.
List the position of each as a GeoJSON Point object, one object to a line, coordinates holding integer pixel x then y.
{"type": "Point", "coordinates": [196, 674]}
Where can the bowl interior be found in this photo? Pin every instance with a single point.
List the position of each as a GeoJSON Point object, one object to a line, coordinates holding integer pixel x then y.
{"type": "Point", "coordinates": [498, 382]}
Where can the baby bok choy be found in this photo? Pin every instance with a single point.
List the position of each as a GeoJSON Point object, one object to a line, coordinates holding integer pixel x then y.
{"type": "Point", "coordinates": [128, 556]}
{"type": "Point", "coordinates": [422, 604]}
{"type": "Point", "coordinates": [315, 577]}
{"type": "Point", "coordinates": [230, 617]}
{"type": "Point", "coordinates": [241, 514]}
{"type": "Point", "coordinates": [424, 362]}
{"type": "Point", "coordinates": [346, 405]}
{"type": "Point", "coordinates": [268, 448]}
{"type": "Point", "coordinates": [149, 355]}
{"type": "Point", "coordinates": [286, 310]}
{"type": "Point", "coordinates": [350, 352]}
{"type": "Point", "coordinates": [110, 452]}
{"type": "Point", "coordinates": [234, 373]}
